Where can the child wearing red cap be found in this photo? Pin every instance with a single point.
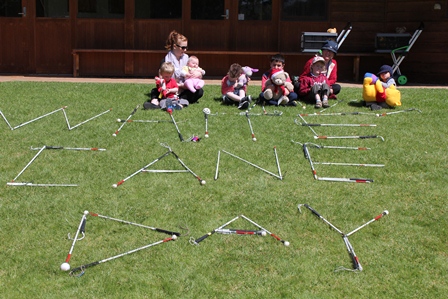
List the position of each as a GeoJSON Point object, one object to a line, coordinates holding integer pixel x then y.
{"type": "Point", "coordinates": [314, 86]}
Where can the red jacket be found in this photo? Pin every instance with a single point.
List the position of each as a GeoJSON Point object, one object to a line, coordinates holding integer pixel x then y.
{"type": "Point", "coordinates": [228, 86]}
{"type": "Point", "coordinates": [308, 81]}
{"type": "Point", "coordinates": [332, 70]}
{"type": "Point", "coordinates": [163, 86]}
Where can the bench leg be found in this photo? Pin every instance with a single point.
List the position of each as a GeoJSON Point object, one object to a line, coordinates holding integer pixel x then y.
{"type": "Point", "coordinates": [75, 64]}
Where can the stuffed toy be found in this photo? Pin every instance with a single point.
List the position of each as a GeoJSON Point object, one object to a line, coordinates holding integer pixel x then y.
{"type": "Point", "coordinates": [373, 91]}
{"type": "Point", "coordinates": [161, 87]}
{"type": "Point", "coordinates": [244, 78]}
{"type": "Point", "coordinates": [277, 87]}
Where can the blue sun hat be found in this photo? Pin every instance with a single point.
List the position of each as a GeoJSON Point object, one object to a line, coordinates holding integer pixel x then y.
{"type": "Point", "coordinates": [385, 69]}
{"type": "Point", "coordinates": [331, 46]}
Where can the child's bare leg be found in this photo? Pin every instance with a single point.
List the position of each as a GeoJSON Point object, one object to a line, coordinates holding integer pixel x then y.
{"type": "Point", "coordinates": [318, 101]}
{"type": "Point", "coordinates": [233, 96]}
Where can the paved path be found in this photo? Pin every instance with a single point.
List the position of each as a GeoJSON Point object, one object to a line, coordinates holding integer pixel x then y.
{"type": "Point", "coordinates": [42, 78]}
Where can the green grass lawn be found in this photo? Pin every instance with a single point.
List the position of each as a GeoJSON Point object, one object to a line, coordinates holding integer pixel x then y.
{"type": "Point", "coordinates": [404, 254]}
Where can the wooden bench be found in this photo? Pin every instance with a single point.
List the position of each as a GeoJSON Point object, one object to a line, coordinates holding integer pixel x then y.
{"type": "Point", "coordinates": [356, 56]}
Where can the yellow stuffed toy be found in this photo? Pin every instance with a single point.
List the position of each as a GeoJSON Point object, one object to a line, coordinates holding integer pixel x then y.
{"type": "Point", "coordinates": [373, 91]}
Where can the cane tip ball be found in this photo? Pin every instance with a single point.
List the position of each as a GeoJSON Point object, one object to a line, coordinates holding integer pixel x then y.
{"type": "Point", "coordinates": [203, 182]}
{"type": "Point", "coordinates": [65, 266]}
{"type": "Point", "coordinates": [206, 135]}
{"type": "Point", "coordinates": [86, 212]}
{"type": "Point", "coordinates": [114, 186]}
{"type": "Point", "coordinates": [386, 212]}
{"type": "Point", "coordinates": [286, 243]}
{"type": "Point", "coordinates": [118, 120]}
{"type": "Point", "coordinates": [254, 139]}
{"type": "Point", "coordinates": [115, 135]}
{"type": "Point", "coordinates": [263, 233]}
{"type": "Point", "coordinates": [174, 237]}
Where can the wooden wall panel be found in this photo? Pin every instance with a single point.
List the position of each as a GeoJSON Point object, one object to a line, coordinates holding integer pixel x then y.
{"type": "Point", "coordinates": [152, 34]}
{"type": "Point", "coordinates": [53, 46]}
{"type": "Point", "coordinates": [100, 34]}
{"type": "Point", "coordinates": [98, 64]}
{"type": "Point", "coordinates": [43, 45]}
{"type": "Point", "coordinates": [15, 49]}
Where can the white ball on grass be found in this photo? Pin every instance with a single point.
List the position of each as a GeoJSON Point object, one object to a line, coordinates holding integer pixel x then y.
{"type": "Point", "coordinates": [86, 212]}
{"type": "Point", "coordinates": [286, 243]}
{"type": "Point", "coordinates": [118, 120]}
{"type": "Point", "coordinates": [206, 135]}
{"type": "Point", "coordinates": [377, 115]}
{"type": "Point", "coordinates": [203, 182]}
{"type": "Point", "coordinates": [114, 186]}
{"type": "Point", "coordinates": [386, 212]}
{"type": "Point", "coordinates": [263, 233]}
{"type": "Point", "coordinates": [65, 266]}
{"type": "Point", "coordinates": [115, 135]}
{"type": "Point", "coordinates": [206, 110]}
{"type": "Point", "coordinates": [254, 139]}
{"type": "Point", "coordinates": [174, 237]}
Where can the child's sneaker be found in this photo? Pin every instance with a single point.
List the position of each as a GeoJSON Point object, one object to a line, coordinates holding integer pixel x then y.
{"type": "Point", "coordinates": [283, 101]}
{"type": "Point", "coordinates": [325, 104]}
{"type": "Point", "coordinates": [318, 104]}
{"type": "Point", "coordinates": [226, 100]}
{"type": "Point", "coordinates": [244, 104]}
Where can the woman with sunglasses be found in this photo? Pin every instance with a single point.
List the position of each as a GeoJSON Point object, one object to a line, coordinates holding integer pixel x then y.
{"type": "Point", "coordinates": [177, 45]}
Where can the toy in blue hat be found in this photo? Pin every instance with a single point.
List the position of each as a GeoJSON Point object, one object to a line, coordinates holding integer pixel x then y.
{"type": "Point", "coordinates": [331, 46]}
{"type": "Point", "coordinates": [385, 69]}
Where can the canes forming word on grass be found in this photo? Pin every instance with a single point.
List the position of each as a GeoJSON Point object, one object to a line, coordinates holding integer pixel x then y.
{"type": "Point", "coordinates": [250, 126]}
{"type": "Point", "coordinates": [356, 264]}
{"type": "Point", "coordinates": [71, 148]}
{"type": "Point", "coordinates": [279, 176]}
{"type": "Point", "coordinates": [85, 266]}
{"type": "Point", "coordinates": [136, 224]}
{"type": "Point", "coordinates": [28, 122]}
{"type": "Point", "coordinates": [332, 146]}
{"type": "Point", "coordinates": [127, 119]}
{"type": "Point", "coordinates": [399, 111]}
{"type": "Point", "coordinates": [170, 151]}
{"type": "Point", "coordinates": [81, 229]}
{"type": "Point", "coordinates": [206, 114]}
{"type": "Point", "coordinates": [71, 128]}
{"type": "Point", "coordinates": [230, 231]}
{"type": "Point", "coordinates": [65, 266]}
{"type": "Point", "coordinates": [331, 179]}
{"type": "Point", "coordinates": [169, 109]}
{"type": "Point", "coordinates": [221, 230]}
{"type": "Point", "coordinates": [349, 137]}
{"type": "Point", "coordinates": [30, 184]}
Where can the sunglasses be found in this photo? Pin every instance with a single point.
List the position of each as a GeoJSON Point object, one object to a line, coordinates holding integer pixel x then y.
{"type": "Point", "coordinates": [182, 47]}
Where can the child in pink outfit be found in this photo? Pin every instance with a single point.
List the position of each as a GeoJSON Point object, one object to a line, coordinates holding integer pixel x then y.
{"type": "Point", "coordinates": [193, 74]}
{"type": "Point", "coordinates": [233, 90]}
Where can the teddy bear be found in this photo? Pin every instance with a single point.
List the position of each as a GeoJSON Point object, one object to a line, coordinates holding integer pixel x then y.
{"type": "Point", "coordinates": [373, 91]}
{"type": "Point", "coordinates": [278, 87]}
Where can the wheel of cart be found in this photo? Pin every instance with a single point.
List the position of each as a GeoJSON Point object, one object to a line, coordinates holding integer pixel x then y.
{"type": "Point", "coordinates": [398, 53]}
